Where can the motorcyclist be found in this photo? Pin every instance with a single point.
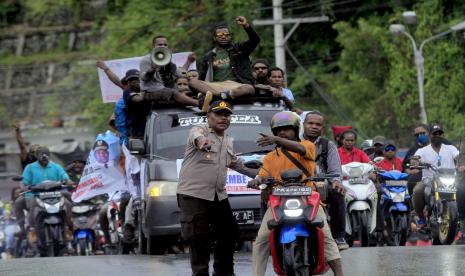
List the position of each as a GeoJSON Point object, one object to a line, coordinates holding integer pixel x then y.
{"type": "Point", "coordinates": [103, 213]}
{"type": "Point", "coordinates": [378, 147]}
{"type": "Point", "coordinates": [75, 169]}
{"type": "Point", "coordinates": [348, 152]}
{"type": "Point", "coordinates": [390, 161]}
{"type": "Point", "coordinates": [421, 134]}
{"type": "Point", "coordinates": [285, 127]}
{"type": "Point", "coordinates": [35, 173]}
{"type": "Point", "coordinates": [438, 155]}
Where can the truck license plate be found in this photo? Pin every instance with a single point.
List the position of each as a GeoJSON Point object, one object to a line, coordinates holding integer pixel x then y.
{"type": "Point", "coordinates": [244, 217]}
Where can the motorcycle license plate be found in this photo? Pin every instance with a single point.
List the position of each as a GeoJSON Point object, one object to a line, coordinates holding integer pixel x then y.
{"type": "Point", "coordinates": [357, 180]}
{"type": "Point", "coordinates": [447, 190]}
{"type": "Point", "coordinates": [49, 194]}
{"type": "Point", "coordinates": [244, 217]}
{"type": "Point", "coordinates": [396, 182]}
{"type": "Point", "coordinates": [292, 191]}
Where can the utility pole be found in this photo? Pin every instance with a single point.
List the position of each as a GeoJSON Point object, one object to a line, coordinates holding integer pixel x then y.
{"type": "Point", "coordinates": [279, 53]}
{"type": "Point", "coordinates": [278, 22]}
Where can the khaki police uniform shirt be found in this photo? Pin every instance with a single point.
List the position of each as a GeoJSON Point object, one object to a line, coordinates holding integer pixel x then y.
{"type": "Point", "coordinates": [203, 172]}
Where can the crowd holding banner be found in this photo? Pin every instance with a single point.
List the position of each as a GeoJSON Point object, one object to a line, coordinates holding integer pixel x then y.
{"type": "Point", "coordinates": [105, 173]}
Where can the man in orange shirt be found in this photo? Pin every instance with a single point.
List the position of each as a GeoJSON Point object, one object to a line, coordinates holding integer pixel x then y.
{"type": "Point", "coordinates": [285, 127]}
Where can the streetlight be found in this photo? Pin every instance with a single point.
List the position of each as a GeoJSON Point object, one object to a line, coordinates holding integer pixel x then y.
{"type": "Point", "coordinates": [399, 29]}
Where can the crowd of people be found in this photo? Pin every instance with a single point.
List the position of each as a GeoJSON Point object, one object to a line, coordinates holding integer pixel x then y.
{"type": "Point", "coordinates": [226, 73]}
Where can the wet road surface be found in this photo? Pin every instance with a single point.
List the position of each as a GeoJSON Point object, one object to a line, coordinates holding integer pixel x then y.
{"type": "Point", "coordinates": [437, 260]}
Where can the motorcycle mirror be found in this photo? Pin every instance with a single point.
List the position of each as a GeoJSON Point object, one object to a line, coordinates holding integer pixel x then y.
{"type": "Point", "coordinates": [378, 159]}
{"type": "Point", "coordinates": [253, 164]}
{"type": "Point", "coordinates": [263, 186]}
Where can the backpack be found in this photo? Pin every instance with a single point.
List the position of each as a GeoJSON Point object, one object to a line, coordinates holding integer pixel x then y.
{"type": "Point", "coordinates": [322, 157]}
{"type": "Point", "coordinates": [121, 120]}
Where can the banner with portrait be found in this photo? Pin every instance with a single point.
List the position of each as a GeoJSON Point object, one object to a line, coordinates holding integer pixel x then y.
{"type": "Point", "coordinates": [103, 173]}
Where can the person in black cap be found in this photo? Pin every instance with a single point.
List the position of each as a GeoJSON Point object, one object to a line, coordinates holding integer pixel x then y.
{"type": "Point", "coordinates": [438, 155]}
{"type": "Point", "coordinates": [378, 147]}
{"type": "Point", "coordinates": [101, 152]}
{"type": "Point", "coordinates": [137, 109]}
{"type": "Point", "coordinates": [202, 196]}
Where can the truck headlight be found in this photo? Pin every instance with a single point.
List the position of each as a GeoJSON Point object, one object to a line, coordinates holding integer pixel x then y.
{"type": "Point", "coordinates": [162, 188]}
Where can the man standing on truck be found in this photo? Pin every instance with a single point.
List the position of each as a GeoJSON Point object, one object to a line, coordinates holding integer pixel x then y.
{"type": "Point", "coordinates": [202, 196]}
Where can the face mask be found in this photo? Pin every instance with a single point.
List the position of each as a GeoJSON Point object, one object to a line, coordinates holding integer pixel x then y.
{"type": "Point", "coordinates": [422, 139]}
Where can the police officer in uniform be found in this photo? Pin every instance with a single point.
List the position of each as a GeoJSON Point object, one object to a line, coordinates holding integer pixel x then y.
{"type": "Point", "coordinates": [202, 196]}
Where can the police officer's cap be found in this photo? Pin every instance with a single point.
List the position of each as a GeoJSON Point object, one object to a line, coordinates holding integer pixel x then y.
{"type": "Point", "coordinates": [100, 145]}
{"type": "Point", "coordinates": [221, 105]}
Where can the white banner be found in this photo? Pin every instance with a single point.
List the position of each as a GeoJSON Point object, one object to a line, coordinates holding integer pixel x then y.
{"type": "Point", "coordinates": [110, 92]}
{"type": "Point", "coordinates": [132, 172]}
{"type": "Point", "coordinates": [236, 183]}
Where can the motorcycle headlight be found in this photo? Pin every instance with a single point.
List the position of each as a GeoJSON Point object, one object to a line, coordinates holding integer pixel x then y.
{"type": "Point", "coordinates": [162, 188]}
{"type": "Point", "coordinates": [293, 208]}
{"type": "Point", "coordinates": [292, 204]}
{"type": "Point", "coordinates": [371, 193]}
{"type": "Point", "coordinates": [350, 194]}
{"type": "Point", "coordinates": [40, 202]}
{"type": "Point", "coordinates": [293, 213]}
{"type": "Point", "coordinates": [448, 182]}
{"type": "Point", "coordinates": [397, 197]}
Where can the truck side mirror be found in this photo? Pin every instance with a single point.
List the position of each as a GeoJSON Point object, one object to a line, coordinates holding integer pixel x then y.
{"type": "Point", "coordinates": [136, 146]}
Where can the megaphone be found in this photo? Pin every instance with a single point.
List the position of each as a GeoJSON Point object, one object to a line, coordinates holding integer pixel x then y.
{"type": "Point", "coordinates": [160, 56]}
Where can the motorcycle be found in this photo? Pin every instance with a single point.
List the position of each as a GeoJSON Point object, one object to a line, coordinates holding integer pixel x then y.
{"type": "Point", "coordinates": [296, 238]}
{"type": "Point", "coordinates": [85, 216]}
{"type": "Point", "coordinates": [50, 217]}
{"type": "Point", "coordinates": [394, 204]}
{"type": "Point", "coordinates": [442, 205]}
{"type": "Point", "coordinates": [361, 202]}
{"type": "Point", "coordinates": [114, 228]}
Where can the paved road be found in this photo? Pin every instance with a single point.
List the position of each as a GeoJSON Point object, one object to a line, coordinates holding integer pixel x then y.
{"type": "Point", "coordinates": [409, 261]}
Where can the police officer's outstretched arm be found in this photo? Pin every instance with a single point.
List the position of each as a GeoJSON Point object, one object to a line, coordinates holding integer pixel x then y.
{"type": "Point", "coordinates": [237, 164]}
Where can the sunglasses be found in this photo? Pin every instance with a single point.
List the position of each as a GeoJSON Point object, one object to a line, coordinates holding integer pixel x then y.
{"type": "Point", "coordinates": [260, 68]}
{"type": "Point", "coordinates": [437, 133]}
{"type": "Point", "coordinates": [224, 34]}
{"type": "Point", "coordinates": [390, 148]}
{"type": "Point", "coordinates": [420, 133]}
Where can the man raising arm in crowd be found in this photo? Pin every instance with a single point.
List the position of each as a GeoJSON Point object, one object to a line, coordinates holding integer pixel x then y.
{"type": "Point", "coordinates": [225, 70]}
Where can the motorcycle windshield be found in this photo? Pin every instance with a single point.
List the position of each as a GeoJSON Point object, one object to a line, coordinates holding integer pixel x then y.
{"type": "Point", "coordinates": [289, 233]}
{"type": "Point", "coordinates": [393, 175]}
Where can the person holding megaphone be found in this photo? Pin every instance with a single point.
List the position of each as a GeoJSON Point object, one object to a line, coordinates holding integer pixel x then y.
{"type": "Point", "coordinates": [158, 75]}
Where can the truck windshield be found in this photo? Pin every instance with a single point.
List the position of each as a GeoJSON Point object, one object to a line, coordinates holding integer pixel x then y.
{"type": "Point", "coordinates": [170, 131]}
